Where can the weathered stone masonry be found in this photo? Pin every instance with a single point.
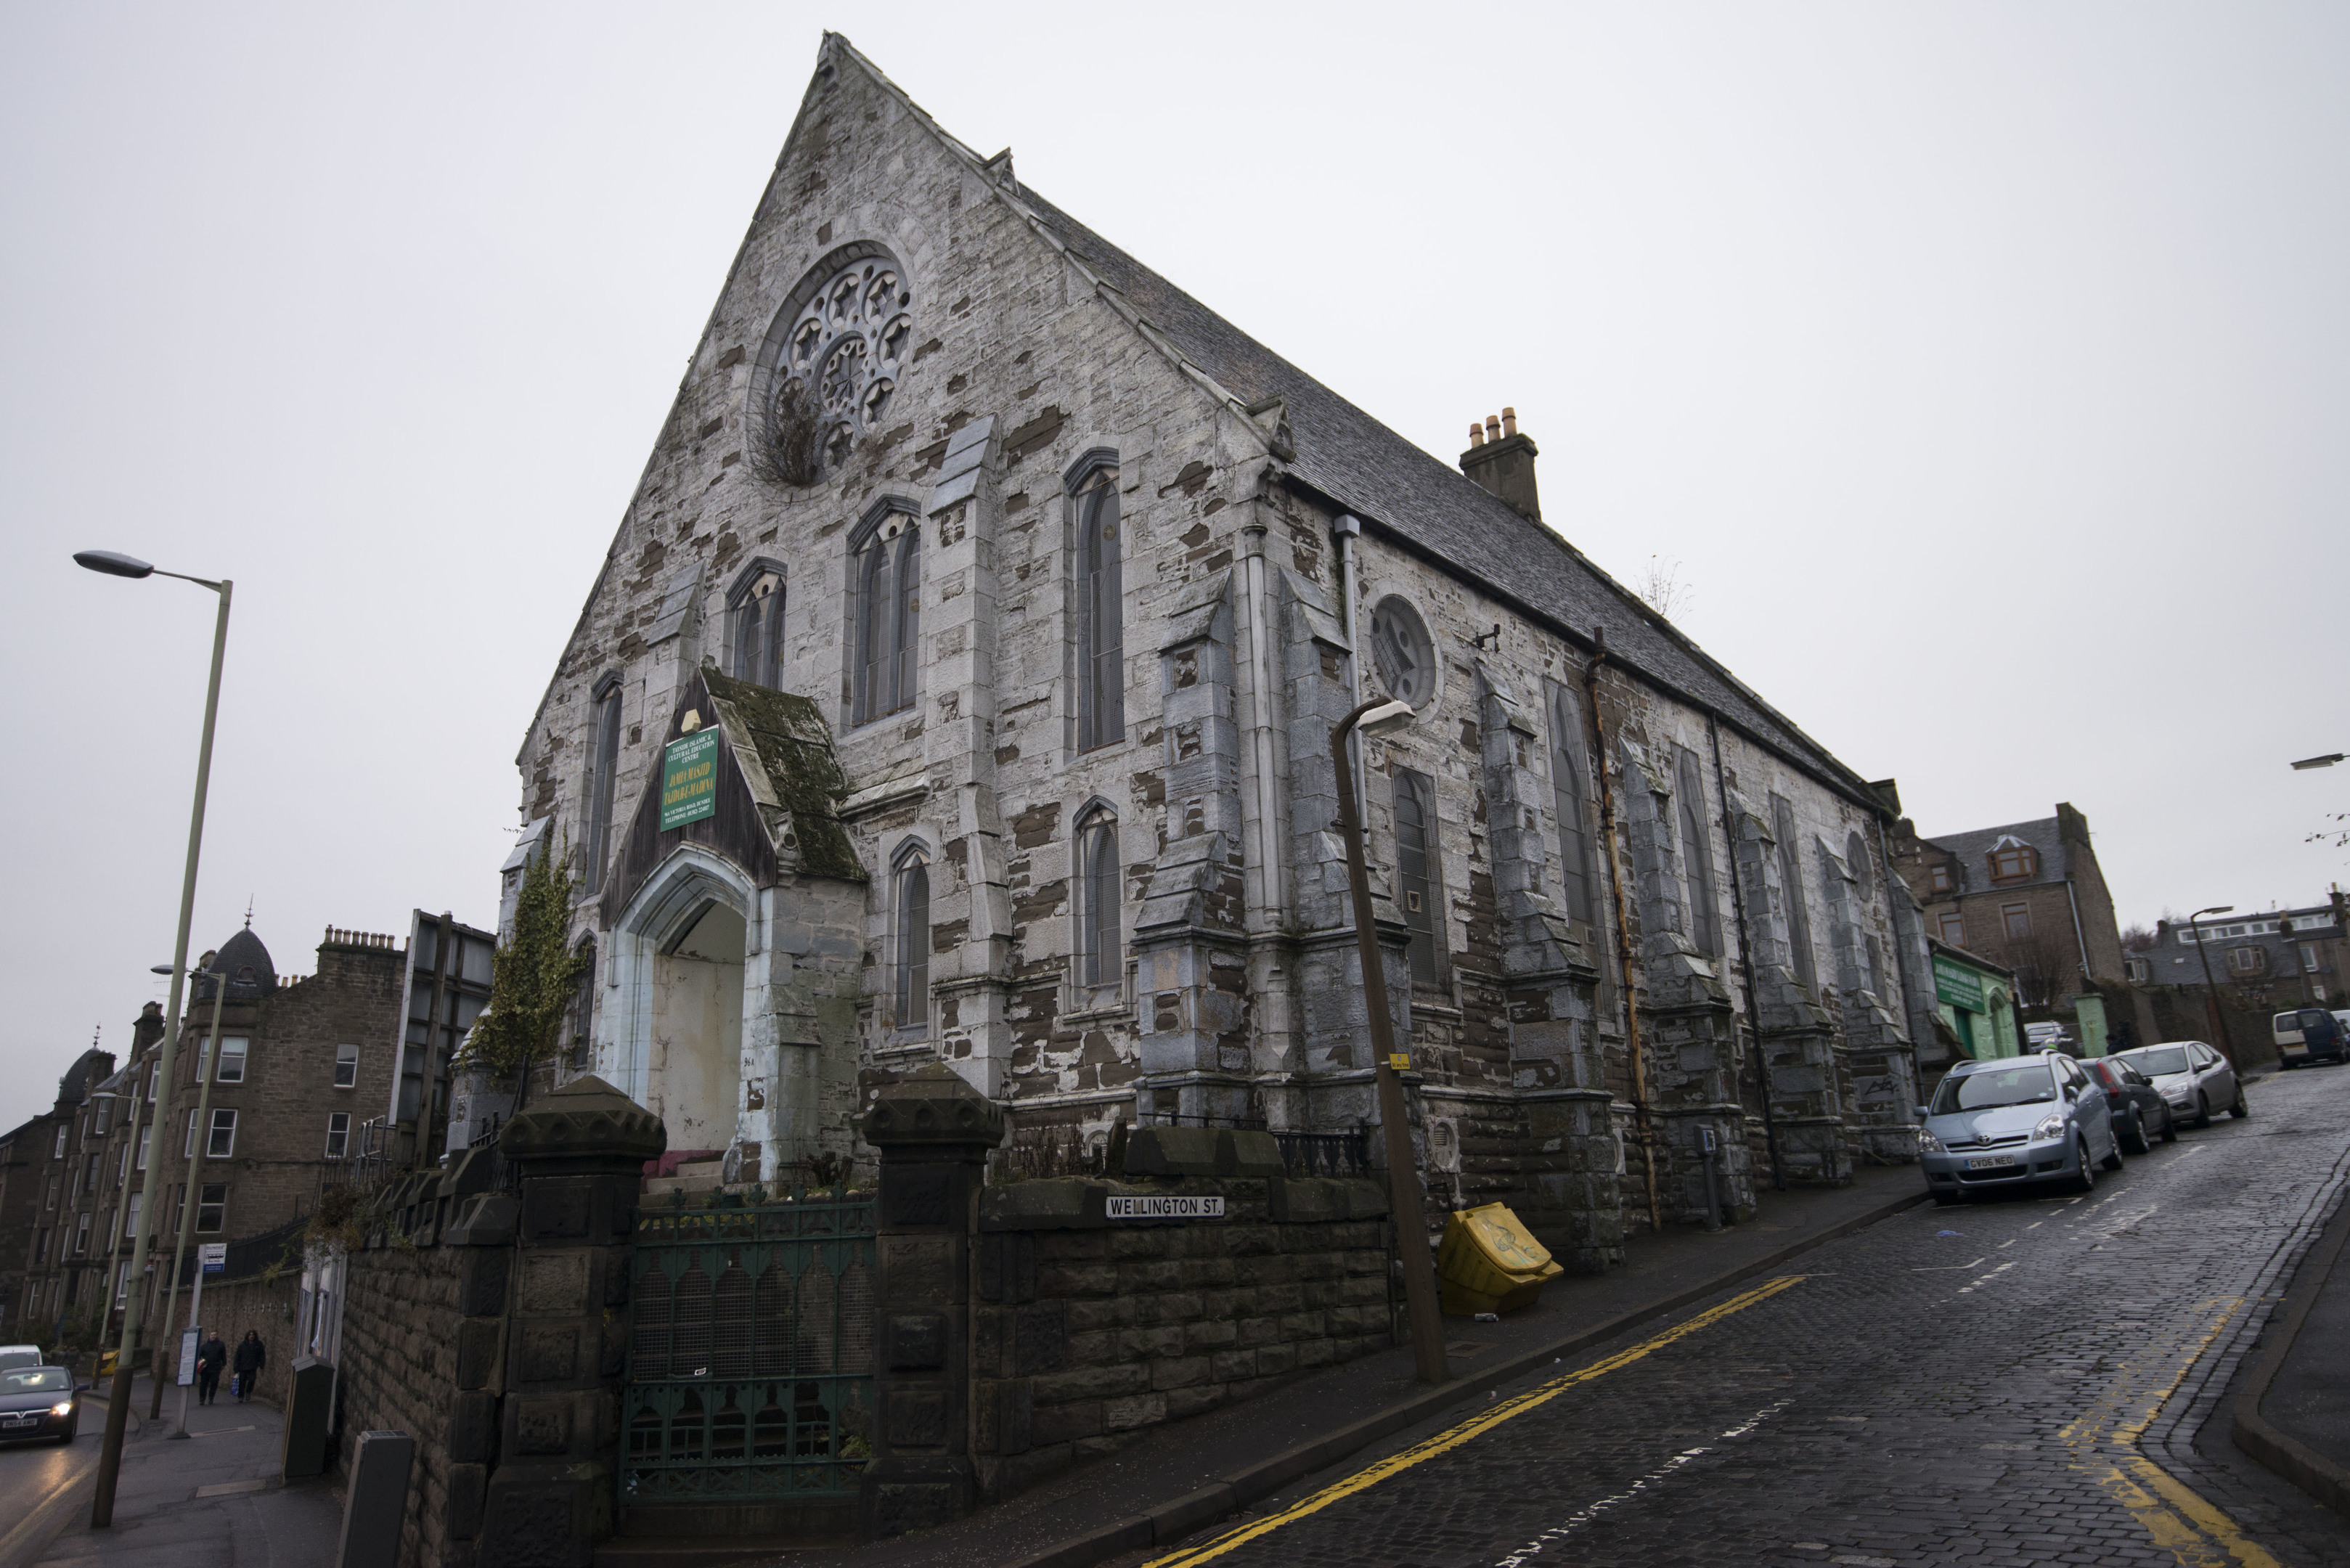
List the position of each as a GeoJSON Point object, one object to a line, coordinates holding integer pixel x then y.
{"type": "Point", "coordinates": [1264, 523]}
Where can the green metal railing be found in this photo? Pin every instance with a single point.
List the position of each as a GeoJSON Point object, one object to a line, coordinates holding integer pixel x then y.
{"type": "Point", "coordinates": [751, 1350]}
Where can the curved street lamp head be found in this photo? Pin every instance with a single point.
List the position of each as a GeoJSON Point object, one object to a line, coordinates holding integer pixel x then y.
{"type": "Point", "coordinates": [113, 562]}
{"type": "Point", "coordinates": [2214, 910]}
{"type": "Point", "coordinates": [2327, 760]}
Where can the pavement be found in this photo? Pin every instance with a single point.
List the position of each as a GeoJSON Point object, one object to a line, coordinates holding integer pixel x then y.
{"type": "Point", "coordinates": [1175, 1478]}
{"type": "Point", "coordinates": [212, 1500]}
{"type": "Point", "coordinates": [2293, 1412]}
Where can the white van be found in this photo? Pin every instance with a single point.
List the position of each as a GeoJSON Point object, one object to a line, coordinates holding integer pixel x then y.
{"type": "Point", "coordinates": [2309, 1035]}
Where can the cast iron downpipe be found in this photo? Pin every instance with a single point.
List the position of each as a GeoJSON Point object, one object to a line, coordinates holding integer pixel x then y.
{"type": "Point", "coordinates": [1623, 926]}
{"type": "Point", "coordinates": [1746, 959]}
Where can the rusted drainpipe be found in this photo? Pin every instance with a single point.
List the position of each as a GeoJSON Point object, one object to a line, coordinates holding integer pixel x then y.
{"type": "Point", "coordinates": [1623, 926]}
{"type": "Point", "coordinates": [1746, 959]}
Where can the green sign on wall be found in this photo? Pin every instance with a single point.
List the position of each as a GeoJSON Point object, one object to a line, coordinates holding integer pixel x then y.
{"type": "Point", "coordinates": [1958, 985]}
{"type": "Point", "coordinates": [688, 779]}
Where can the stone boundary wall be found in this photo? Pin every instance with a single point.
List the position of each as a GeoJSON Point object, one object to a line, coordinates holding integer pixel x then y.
{"type": "Point", "coordinates": [1087, 1330]}
{"type": "Point", "coordinates": [488, 1324]}
{"type": "Point", "coordinates": [2184, 1012]}
{"type": "Point", "coordinates": [422, 1334]}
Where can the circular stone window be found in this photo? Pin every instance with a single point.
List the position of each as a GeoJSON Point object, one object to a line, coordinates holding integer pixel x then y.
{"type": "Point", "coordinates": [841, 355]}
{"type": "Point", "coordinates": [1404, 658]}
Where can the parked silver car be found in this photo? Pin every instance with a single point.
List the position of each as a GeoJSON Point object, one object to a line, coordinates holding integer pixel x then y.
{"type": "Point", "coordinates": [2013, 1121]}
{"type": "Point", "coordinates": [2193, 1078]}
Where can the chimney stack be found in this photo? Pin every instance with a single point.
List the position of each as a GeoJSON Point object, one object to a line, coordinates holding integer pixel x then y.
{"type": "Point", "coordinates": [1502, 461]}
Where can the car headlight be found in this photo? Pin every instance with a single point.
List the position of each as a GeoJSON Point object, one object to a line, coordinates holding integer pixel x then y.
{"type": "Point", "coordinates": [1928, 1144]}
{"type": "Point", "coordinates": [63, 1408]}
{"type": "Point", "coordinates": [2051, 1127]}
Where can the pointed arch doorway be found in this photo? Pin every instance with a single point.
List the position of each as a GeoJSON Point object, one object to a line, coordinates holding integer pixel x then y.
{"type": "Point", "coordinates": [680, 967]}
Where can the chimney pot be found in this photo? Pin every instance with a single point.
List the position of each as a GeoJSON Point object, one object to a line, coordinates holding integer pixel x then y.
{"type": "Point", "coordinates": [1505, 471]}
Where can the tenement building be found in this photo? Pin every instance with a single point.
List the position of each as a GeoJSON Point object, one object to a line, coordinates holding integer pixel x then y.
{"type": "Point", "coordinates": [959, 685]}
{"type": "Point", "coordinates": [49, 1175]}
{"type": "Point", "coordinates": [2286, 957]}
{"type": "Point", "coordinates": [2030, 896]}
{"type": "Point", "coordinates": [259, 1126]}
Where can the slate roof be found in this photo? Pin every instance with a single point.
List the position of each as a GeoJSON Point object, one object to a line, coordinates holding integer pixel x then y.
{"type": "Point", "coordinates": [90, 1065]}
{"type": "Point", "coordinates": [784, 747]}
{"type": "Point", "coordinates": [1973, 850]}
{"type": "Point", "coordinates": [1391, 484]}
{"type": "Point", "coordinates": [251, 974]}
{"type": "Point", "coordinates": [1432, 507]}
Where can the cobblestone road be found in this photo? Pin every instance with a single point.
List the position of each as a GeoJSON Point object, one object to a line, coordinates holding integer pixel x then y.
{"type": "Point", "coordinates": [2004, 1383]}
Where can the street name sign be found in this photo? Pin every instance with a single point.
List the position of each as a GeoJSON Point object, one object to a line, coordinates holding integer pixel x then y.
{"type": "Point", "coordinates": [1166, 1206]}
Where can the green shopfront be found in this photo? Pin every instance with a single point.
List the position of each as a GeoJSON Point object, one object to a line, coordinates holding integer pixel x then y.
{"type": "Point", "coordinates": [1977, 998]}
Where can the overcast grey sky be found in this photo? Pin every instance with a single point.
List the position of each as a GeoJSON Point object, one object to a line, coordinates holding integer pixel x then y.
{"type": "Point", "coordinates": [1985, 367]}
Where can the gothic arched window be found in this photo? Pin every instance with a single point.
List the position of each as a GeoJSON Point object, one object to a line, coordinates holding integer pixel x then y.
{"type": "Point", "coordinates": [1791, 886]}
{"type": "Point", "coordinates": [1101, 955]}
{"type": "Point", "coordinates": [603, 776]}
{"type": "Point", "coordinates": [1101, 610]}
{"type": "Point", "coordinates": [910, 963]}
{"type": "Point", "coordinates": [583, 1008]}
{"type": "Point", "coordinates": [1416, 879]}
{"type": "Point", "coordinates": [754, 632]}
{"type": "Point", "coordinates": [1696, 857]}
{"type": "Point", "coordinates": [888, 573]}
{"type": "Point", "coordinates": [1569, 792]}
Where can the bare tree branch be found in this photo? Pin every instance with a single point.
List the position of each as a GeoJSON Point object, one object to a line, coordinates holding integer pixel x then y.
{"type": "Point", "coordinates": [1662, 588]}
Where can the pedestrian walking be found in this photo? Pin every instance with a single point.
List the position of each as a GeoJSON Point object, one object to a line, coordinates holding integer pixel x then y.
{"type": "Point", "coordinates": [250, 1359]}
{"type": "Point", "coordinates": [212, 1357]}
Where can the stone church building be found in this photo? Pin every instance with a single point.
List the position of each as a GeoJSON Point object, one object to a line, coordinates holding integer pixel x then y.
{"type": "Point", "coordinates": [1020, 593]}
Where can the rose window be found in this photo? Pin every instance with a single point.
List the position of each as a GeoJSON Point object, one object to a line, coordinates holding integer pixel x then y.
{"type": "Point", "coordinates": [842, 358]}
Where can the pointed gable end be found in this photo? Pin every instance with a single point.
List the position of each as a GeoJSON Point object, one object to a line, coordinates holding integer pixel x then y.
{"type": "Point", "coordinates": [777, 786]}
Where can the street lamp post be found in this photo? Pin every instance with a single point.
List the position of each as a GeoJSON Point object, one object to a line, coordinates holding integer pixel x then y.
{"type": "Point", "coordinates": [2210, 986]}
{"type": "Point", "coordinates": [198, 1133]}
{"type": "Point", "coordinates": [118, 1405]}
{"type": "Point", "coordinates": [1377, 717]}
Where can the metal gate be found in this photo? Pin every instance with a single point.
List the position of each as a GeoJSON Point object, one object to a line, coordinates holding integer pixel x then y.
{"type": "Point", "coordinates": [751, 1351]}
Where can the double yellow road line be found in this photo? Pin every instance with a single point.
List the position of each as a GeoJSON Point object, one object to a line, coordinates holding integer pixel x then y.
{"type": "Point", "coordinates": [2105, 1441]}
{"type": "Point", "coordinates": [1482, 1422]}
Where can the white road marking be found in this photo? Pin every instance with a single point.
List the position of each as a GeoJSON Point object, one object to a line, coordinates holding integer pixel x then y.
{"type": "Point", "coordinates": [1591, 1511]}
{"type": "Point", "coordinates": [1939, 1268]}
{"type": "Point", "coordinates": [1969, 1289]}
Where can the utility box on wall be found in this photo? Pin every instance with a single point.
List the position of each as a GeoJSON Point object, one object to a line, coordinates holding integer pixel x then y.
{"type": "Point", "coordinates": [310, 1412]}
{"type": "Point", "coordinates": [376, 1503]}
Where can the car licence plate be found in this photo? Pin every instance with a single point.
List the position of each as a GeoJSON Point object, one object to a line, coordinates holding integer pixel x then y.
{"type": "Point", "coordinates": [1989, 1161]}
{"type": "Point", "coordinates": [9, 1422]}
